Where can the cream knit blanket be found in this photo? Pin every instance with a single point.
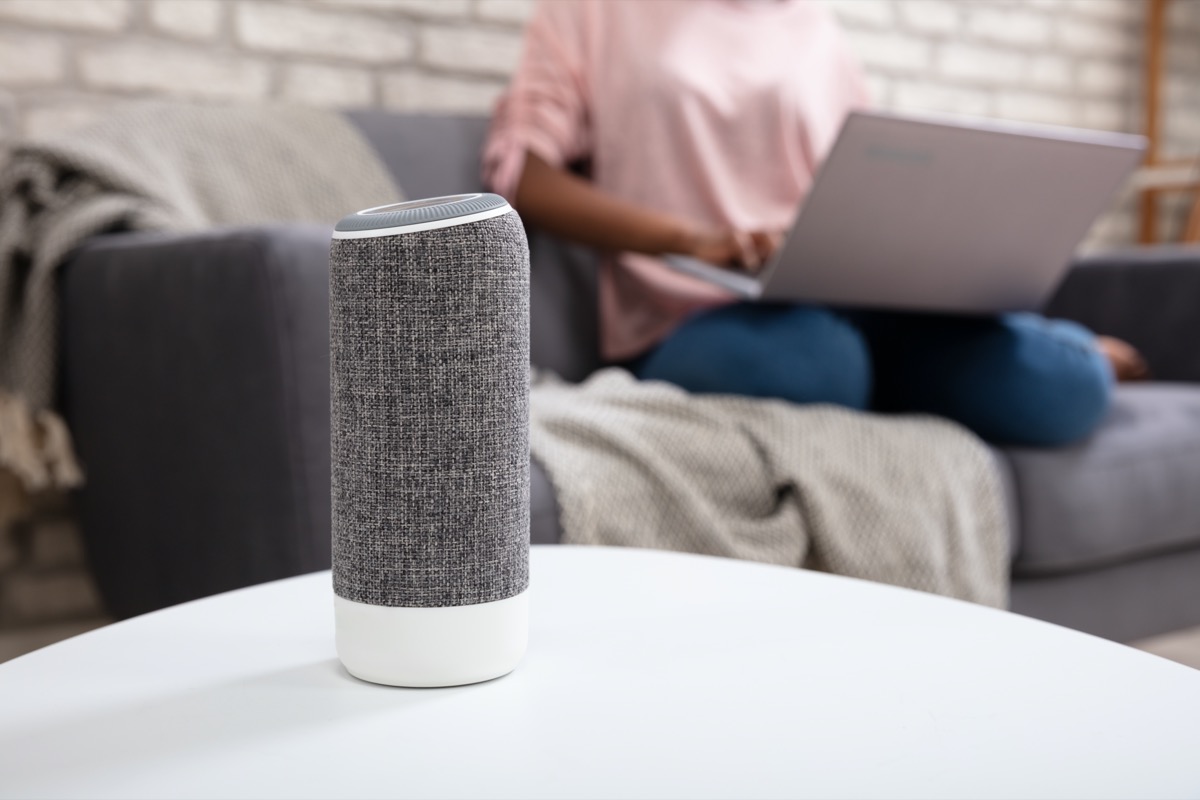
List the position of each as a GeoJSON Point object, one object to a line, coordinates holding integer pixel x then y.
{"type": "Point", "coordinates": [912, 501]}
{"type": "Point", "coordinates": [156, 167]}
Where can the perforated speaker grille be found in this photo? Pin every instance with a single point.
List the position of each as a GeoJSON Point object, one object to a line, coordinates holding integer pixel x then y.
{"type": "Point", "coordinates": [429, 338]}
{"type": "Point", "coordinates": [416, 212]}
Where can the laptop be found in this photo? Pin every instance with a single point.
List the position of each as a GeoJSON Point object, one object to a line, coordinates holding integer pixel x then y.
{"type": "Point", "coordinates": [940, 214]}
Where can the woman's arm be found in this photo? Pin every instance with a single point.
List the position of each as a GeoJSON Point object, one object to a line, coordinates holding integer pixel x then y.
{"type": "Point", "coordinates": [568, 206]}
{"type": "Point", "coordinates": [545, 112]}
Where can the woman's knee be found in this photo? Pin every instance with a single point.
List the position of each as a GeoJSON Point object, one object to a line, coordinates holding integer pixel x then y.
{"type": "Point", "coordinates": [1047, 384]}
{"type": "Point", "coordinates": [797, 353]}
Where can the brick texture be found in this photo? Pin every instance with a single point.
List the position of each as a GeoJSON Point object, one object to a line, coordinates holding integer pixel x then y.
{"type": "Point", "coordinates": [188, 19]}
{"type": "Point", "coordinates": [512, 12]}
{"type": "Point", "coordinates": [332, 33]}
{"type": "Point", "coordinates": [414, 90]}
{"type": "Point", "coordinates": [1010, 26]}
{"type": "Point", "coordinates": [892, 52]}
{"type": "Point", "coordinates": [64, 62]}
{"type": "Point", "coordinates": [482, 51]}
{"type": "Point", "coordinates": [94, 15]}
{"type": "Point", "coordinates": [431, 9]}
{"type": "Point", "coordinates": [930, 16]}
{"type": "Point", "coordinates": [331, 87]}
{"type": "Point", "coordinates": [1071, 62]}
{"type": "Point", "coordinates": [31, 60]}
{"type": "Point", "coordinates": [173, 70]}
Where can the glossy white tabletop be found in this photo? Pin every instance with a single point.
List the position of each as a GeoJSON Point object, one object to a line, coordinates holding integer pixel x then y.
{"type": "Point", "coordinates": [648, 675]}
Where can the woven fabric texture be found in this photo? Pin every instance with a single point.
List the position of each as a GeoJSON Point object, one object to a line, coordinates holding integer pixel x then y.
{"type": "Point", "coordinates": [912, 501]}
{"type": "Point", "coordinates": [429, 338]}
{"type": "Point", "coordinates": [152, 167]}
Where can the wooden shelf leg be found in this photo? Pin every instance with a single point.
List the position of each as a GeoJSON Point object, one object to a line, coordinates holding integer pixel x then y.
{"type": "Point", "coordinates": [1156, 12]}
{"type": "Point", "coordinates": [1191, 233]}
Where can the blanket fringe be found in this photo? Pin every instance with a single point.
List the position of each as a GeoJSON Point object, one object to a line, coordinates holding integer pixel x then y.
{"type": "Point", "coordinates": [36, 447]}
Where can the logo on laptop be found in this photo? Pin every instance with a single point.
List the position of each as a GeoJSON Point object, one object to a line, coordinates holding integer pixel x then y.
{"type": "Point", "coordinates": [899, 155]}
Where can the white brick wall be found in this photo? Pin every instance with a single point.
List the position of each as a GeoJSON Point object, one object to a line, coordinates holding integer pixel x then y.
{"type": "Point", "coordinates": [188, 19]}
{"type": "Point", "coordinates": [891, 52]}
{"type": "Point", "coordinates": [321, 85]}
{"type": "Point", "coordinates": [864, 13]}
{"type": "Point", "coordinates": [63, 62]}
{"type": "Point", "coordinates": [333, 33]}
{"type": "Point", "coordinates": [981, 65]}
{"type": "Point", "coordinates": [512, 12]}
{"type": "Point", "coordinates": [434, 9]}
{"type": "Point", "coordinates": [31, 60]}
{"type": "Point", "coordinates": [1095, 37]}
{"type": "Point", "coordinates": [923, 95]}
{"type": "Point", "coordinates": [1006, 25]}
{"type": "Point", "coordinates": [414, 90]}
{"type": "Point", "coordinates": [929, 16]}
{"type": "Point", "coordinates": [473, 50]}
{"type": "Point", "coordinates": [171, 69]}
{"type": "Point", "coordinates": [1049, 71]}
{"type": "Point", "coordinates": [97, 15]}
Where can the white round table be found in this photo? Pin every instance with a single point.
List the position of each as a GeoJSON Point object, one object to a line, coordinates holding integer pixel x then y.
{"type": "Point", "coordinates": [648, 675]}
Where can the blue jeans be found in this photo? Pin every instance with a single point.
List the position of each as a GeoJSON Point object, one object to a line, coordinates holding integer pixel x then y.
{"type": "Point", "coordinates": [1013, 379]}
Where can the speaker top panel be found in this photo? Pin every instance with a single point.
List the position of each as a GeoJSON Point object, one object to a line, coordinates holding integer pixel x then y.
{"type": "Point", "coordinates": [420, 215]}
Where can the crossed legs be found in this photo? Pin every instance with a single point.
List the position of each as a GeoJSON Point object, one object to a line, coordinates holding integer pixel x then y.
{"type": "Point", "coordinates": [1016, 379]}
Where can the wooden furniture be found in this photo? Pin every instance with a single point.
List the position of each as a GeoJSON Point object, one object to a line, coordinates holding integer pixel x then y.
{"type": "Point", "coordinates": [648, 674]}
{"type": "Point", "coordinates": [1162, 175]}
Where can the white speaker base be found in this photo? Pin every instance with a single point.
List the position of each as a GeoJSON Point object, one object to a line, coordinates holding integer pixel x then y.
{"type": "Point", "coordinates": [419, 647]}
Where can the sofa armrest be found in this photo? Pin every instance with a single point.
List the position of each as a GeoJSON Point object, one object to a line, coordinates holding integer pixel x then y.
{"type": "Point", "coordinates": [195, 375]}
{"type": "Point", "coordinates": [1146, 296]}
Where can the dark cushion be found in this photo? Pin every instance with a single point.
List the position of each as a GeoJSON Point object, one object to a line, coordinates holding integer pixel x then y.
{"type": "Point", "coordinates": [1146, 296]}
{"type": "Point", "coordinates": [1128, 491]}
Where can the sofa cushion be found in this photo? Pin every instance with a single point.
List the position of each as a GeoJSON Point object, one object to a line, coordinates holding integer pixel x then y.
{"type": "Point", "coordinates": [544, 527]}
{"type": "Point", "coordinates": [1128, 491]}
{"type": "Point", "coordinates": [429, 155]}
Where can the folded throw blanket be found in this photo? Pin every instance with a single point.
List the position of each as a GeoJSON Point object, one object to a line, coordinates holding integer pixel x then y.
{"type": "Point", "coordinates": [155, 167]}
{"type": "Point", "coordinates": [912, 501]}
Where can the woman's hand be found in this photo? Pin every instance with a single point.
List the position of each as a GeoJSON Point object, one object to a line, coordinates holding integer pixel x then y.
{"type": "Point", "coordinates": [747, 250]}
{"type": "Point", "coordinates": [567, 205]}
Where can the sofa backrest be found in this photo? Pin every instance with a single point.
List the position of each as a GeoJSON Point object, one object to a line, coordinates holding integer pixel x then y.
{"type": "Point", "coordinates": [433, 154]}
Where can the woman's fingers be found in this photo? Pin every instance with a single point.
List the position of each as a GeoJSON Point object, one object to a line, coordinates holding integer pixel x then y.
{"type": "Point", "coordinates": [715, 245]}
{"type": "Point", "coordinates": [767, 243]}
{"type": "Point", "coordinates": [747, 249]}
{"type": "Point", "coordinates": [777, 238]}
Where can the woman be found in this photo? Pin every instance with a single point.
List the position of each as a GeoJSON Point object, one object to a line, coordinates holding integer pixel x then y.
{"type": "Point", "coordinates": [703, 124]}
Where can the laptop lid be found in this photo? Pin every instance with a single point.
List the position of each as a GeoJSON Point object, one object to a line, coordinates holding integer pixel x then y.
{"type": "Point", "coordinates": [967, 216]}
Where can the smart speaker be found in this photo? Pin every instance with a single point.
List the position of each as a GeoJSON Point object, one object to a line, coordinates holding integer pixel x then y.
{"type": "Point", "coordinates": [429, 340]}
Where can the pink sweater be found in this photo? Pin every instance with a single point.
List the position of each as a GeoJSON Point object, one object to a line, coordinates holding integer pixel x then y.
{"type": "Point", "coordinates": [717, 111]}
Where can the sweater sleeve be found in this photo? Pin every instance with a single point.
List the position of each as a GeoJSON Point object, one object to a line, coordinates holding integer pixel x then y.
{"type": "Point", "coordinates": [545, 109]}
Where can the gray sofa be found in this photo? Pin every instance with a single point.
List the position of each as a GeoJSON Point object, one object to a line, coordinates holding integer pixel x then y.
{"type": "Point", "coordinates": [195, 377]}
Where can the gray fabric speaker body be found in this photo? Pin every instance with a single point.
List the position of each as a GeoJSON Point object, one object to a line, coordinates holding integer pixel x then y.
{"type": "Point", "coordinates": [429, 340]}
